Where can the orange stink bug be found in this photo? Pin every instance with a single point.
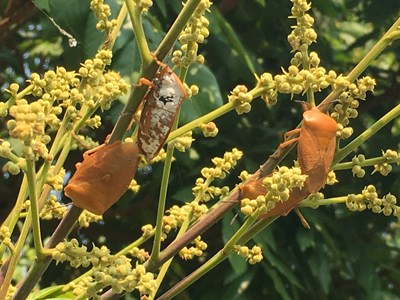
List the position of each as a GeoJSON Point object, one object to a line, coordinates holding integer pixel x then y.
{"type": "Point", "coordinates": [161, 104]}
{"type": "Point", "coordinates": [253, 189]}
{"type": "Point", "coordinates": [315, 148]}
{"type": "Point", "coordinates": [103, 176]}
{"type": "Point", "coordinates": [315, 152]}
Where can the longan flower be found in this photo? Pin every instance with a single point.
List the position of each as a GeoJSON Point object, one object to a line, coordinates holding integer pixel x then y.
{"type": "Point", "coordinates": [144, 5]}
{"type": "Point", "coordinates": [148, 230]}
{"type": "Point", "coordinates": [86, 217]}
{"type": "Point", "coordinates": [194, 33]}
{"type": "Point", "coordinates": [241, 98]}
{"type": "Point", "coordinates": [302, 34]}
{"type": "Point", "coordinates": [331, 178]}
{"type": "Point", "coordinates": [183, 142]}
{"type": "Point", "coordinates": [196, 250]}
{"type": "Point", "coordinates": [253, 255]}
{"type": "Point", "coordinates": [102, 12]}
{"type": "Point", "coordinates": [28, 122]}
{"type": "Point", "coordinates": [141, 254]}
{"type": "Point", "coordinates": [55, 181]}
{"type": "Point", "coordinates": [53, 209]}
{"type": "Point", "coordinates": [209, 130]}
{"type": "Point", "coordinates": [369, 199]}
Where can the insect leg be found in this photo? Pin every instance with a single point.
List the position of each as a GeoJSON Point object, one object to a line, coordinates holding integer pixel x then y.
{"type": "Point", "coordinates": [302, 219]}
{"type": "Point", "coordinates": [286, 142]}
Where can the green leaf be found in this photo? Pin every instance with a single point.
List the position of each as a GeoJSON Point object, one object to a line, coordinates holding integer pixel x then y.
{"type": "Point", "coordinates": [237, 285]}
{"type": "Point", "coordinates": [238, 263]}
{"type": "Point", "coordinates": [278, 284]}
{"type": "Point", "coordinates": [234, 40]}
{"type": "Point", "coordinates": [42, 4]}
{"type": "Point", "coordinates": [281, 267]}
{"type": "Point", "coordinates": [47, 48]}
{"type": "Point", "coordinates": [208, 98]}
{"type": "Point", "coordinates": [266, 237]}
{"type": "Point", "coordinates": [320, 269]}
{"type": "Point", "coordinates": [229, 226]}
{"type": "Point", "coordinates": [305, 239]}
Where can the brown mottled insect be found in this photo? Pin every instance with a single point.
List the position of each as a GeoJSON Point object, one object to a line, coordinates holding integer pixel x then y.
{"type": "Point", "coordinates": [161, 104]}
{"type": "Point", "coordinates": [103, 176]}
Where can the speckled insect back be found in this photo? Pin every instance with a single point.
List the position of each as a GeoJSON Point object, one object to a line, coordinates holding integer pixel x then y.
{"type": "Point", "coordinates": [161, 104]}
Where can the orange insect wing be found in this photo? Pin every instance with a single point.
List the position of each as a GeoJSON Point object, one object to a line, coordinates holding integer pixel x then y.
{"type": "Point", "coordinates": [283, 208]}
{"type": "Point", "coordinates": [103, 177]}
{"type": "Point", "coordinates": [316, 147]}
{"type": "Point", "coordinates": [253, 189]}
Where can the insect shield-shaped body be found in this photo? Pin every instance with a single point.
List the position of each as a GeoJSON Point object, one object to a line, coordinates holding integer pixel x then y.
{"type": "Point", "coordinates": [316, 147]}
{"type": "Point", "coordinates": [161, 105]}
{"type": "Point", "coordinates": [103, 176]}
{"type": "Point", "coordinates": [315, 152]}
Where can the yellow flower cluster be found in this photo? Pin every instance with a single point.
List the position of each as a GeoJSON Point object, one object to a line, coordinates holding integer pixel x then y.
{"type": "Point", "coordinates": [102, 12]}
{"type": "Point", "coordinates": [141, 254]}
{"type": "Point", "coordinates": [195, 32]}
{"type": "Point", "coordinates": [196, 250]}
{"type": "Point", "coordinates": [134, 186]}
{"type": "Point", "coordinates": [369, 199]}
{"type": "Point", "coordinates": [296, 81]}
{"type": "Point", "coordinates": [314, 198]}
{"type": "Point", "coordinates": [241, 98]}
{"type": "Point", "coordinates": [29, 120]}
{"type": "Point", "coordinates": [331, 178]}
{"type": "Point", "coordinates": [253, 255]}
{"type": "Point", "coordinates": [183, 142]}
{"type": "Point", "coordinates": [357, 170]}
{"type": "Point", "coordinates": [53, 209]}
{"type": "Point", "coordinates": [278, 188]}
{"type": "Point", "coordinates": [109, 270]}
{"type": "Point", "coordinates": [385, 168]}
{"type": "Point", "coordinates": [102, 87]}
{"type": "Point", "coordinates": [302, 35]}
{"type": "Point", "coordinates": [148, 230]}
{"type": "Point", "coordinates": [5, 237]}
{"type": "Point", "coordinates": [86, 217]}
{"type": "Point", "coordinates": [222, 165]}
{"type": "Point", "coordinates": [175, 216]}
{"type": "Point", "coordinates": [209, 130]}
{"type": "Point", "coordinates": [144, 5]}
{"type": "Point", "coordinates": [57, 92]}
{"type": "Point", "coordinates": [202, 190]}
{"type": "Point", "coordinates": [347, 105]}
{"type": "Point", "coordinates": [55, 181]}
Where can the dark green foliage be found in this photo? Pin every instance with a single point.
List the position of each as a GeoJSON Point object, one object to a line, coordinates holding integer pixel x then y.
{"type": "Point", "coordinates": [344, 255]}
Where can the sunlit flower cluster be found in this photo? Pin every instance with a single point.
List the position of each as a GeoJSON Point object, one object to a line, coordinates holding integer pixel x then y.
{"type": "Point", "coordinates": [144, 5]}
{"type": "Point", "coordinates": [109, 270]}
{"type": "Point", "coordinates": [369, 199]}
{"type": "Point", "coordinates": [277, 189]}
{"type": "Point", "coordinates": [53, 209]}
{"type": "Point", "coordinates": [252, 256]}
{"type": "Point", "coordinates": [385, 167]}
{"type": "Point", "coordinates": [194, 33]}
{"type": "Point", "coordinates": [102, 12]}
{"type": "Point", "coordinates": [241, 98]}
{"type": "Point", "coordinates": [302, 35]}
{"type": "Point", "coordinates": [209, 130]}
{"type": "Point", "coordinates": [183, 142]}
{"type": "Point", "coordinates": [193, 251]}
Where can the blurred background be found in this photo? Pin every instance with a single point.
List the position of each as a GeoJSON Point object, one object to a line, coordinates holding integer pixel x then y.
{"type": "Point", "coordinates": [344, 255]}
